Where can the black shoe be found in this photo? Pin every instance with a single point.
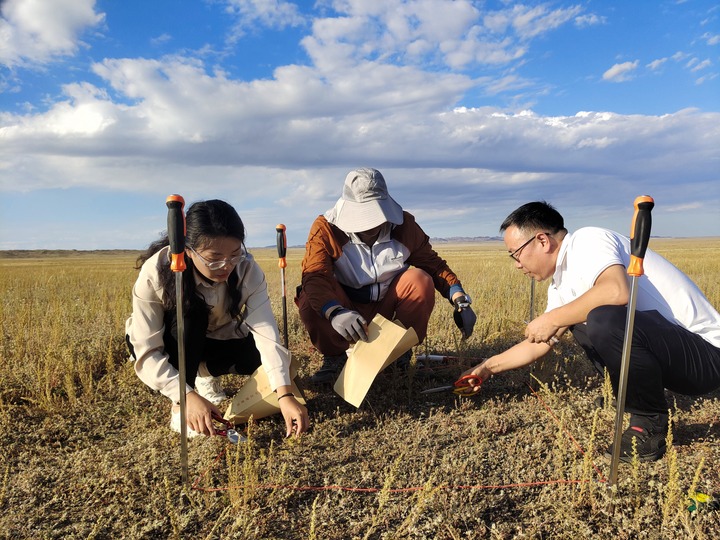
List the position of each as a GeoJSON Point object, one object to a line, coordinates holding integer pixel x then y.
{"type": "Point", "coordinates": [649, 433]}
{"type": "Point", "coordinates": [330, 368]}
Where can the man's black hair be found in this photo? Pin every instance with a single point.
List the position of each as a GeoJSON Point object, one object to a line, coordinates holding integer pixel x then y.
{"type": "Point", "coordinates": [535, 216]}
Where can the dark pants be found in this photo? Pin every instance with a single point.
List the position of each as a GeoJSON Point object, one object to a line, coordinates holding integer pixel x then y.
{"type": "Point", "coordinates": [663, 355]}
{"type": "Point", "coordinates": [239, 356]}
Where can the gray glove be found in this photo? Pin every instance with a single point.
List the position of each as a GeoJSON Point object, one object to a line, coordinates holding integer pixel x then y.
{"type": "Point", "coordinates": [464, 316]}
{"type": "Point", "coordinates": [349, 324]}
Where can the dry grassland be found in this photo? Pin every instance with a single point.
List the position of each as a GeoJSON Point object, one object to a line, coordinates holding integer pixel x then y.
{"type": "Point", "coordinates": [86, 451]}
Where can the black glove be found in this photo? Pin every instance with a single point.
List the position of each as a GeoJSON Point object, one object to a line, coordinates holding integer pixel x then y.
{"type": "Point", "coordinates": [464, 315]}
{"type": "Point", "coordinates": [349, 324]}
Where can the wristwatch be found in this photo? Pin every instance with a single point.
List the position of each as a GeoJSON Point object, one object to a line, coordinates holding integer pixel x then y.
{"type": "Point", "coordinates": [462, 302]}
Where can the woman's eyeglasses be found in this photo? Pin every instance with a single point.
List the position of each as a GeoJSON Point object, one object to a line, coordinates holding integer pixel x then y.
{"type": "Point", "coordinates": [217, 265]}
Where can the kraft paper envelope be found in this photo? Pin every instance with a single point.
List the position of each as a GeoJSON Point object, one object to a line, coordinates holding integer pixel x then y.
{"type": "Point", "coordinates": [387, 341]}
{"type": "Point", "coordinates": [255, 398]}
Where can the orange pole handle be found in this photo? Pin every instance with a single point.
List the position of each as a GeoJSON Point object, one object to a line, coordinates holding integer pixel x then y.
{"type": "Point", "coordinates": [176, 231]}
{"type": "Point", "coordinates": [281, 245]}
{"type": "Point", "coordinates": [640, 234]}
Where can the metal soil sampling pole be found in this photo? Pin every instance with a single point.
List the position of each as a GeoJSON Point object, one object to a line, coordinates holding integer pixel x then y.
{"type": "Point", "coordinates": [640, 236]}
{"type": "Point", "coordinates": [282, 263]}
{"type": "Point", "coordinates": [531, 314]}
{"type": "Point", "coordinates": [176, 235]}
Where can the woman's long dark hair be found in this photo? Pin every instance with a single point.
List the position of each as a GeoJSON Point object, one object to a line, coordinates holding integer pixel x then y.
{"type": "Point", "coordinates": [204, 221]}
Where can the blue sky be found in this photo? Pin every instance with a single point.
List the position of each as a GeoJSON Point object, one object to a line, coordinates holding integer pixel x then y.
{"type": "Point", "coordinates": [469, 109]}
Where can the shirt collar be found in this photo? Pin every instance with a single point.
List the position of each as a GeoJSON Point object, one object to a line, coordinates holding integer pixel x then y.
{"type": "Point", "coordinates": [562, 255]}
{"type": "Point", "coordinates": [383, 237]}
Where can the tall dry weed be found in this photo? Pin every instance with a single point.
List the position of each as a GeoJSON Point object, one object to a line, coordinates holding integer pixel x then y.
{"type": "Point", "coordinates": [60, 319]}
{"type": "Point", "coordinates": [672, 499]}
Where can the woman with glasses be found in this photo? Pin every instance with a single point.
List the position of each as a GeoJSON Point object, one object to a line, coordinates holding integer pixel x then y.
{"type": "Point", "coordinates": [229, 325]}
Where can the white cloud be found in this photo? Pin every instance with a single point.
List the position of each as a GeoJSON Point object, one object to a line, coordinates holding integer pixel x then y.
{"type": "Point", "coordinates": [253, 15]}
{"type": "Point", "coordinates": [38, 30]}
{"type": "Point", "coordinates": [533, 21]}
{"type": "Point", "coordinates": [591, 19]}
{"type": "Point", "coordinates": [711, 39]}
{"type": "Point", "coordinates": [284, 143]}
{"type": "Point", "coordinates": [507, 83]}
{"type": "Point", "coordinates": [620, 72]}
{"type": "Point", "coordinates": [455, 34]}
{"type": "Point", "coordinates": [161, 39]}
{"type": "Point", "coordinates": [276, 14]}
{"type": "Point", "coordinates": [528, 22]}
{"type": "Point", "coordinates": [706, 78]}
{"type": "Point", "coordinates": [679, 56]}
{"type": "Point", "coordinates": [656, 64]}
{"type": "Point", "coordinates": [184, 123]}
{"type": "Point", "coordinates": [701, 65]}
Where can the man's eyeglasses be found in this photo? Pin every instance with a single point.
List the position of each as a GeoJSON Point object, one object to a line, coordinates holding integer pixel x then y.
{"type": "Point", "coordinates": [515, 255]}
{"type": "Point", "coordinates": [217, 265]}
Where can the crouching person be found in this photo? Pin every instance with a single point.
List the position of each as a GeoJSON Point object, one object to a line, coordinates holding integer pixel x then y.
{"type": "Point", "coordinates": [226, 305]}
{"type": "Point", "coordinates": [676, 337]}
{"type": "Point", "coordinates": [367, 256]}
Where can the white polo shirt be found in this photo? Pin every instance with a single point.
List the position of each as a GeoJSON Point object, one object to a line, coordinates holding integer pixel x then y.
{"type": "Point", "coordinates": [586, 253]}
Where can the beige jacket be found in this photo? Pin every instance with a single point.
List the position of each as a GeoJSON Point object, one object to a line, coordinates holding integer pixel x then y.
{"type": "Point", "coordinates": [145, 327]}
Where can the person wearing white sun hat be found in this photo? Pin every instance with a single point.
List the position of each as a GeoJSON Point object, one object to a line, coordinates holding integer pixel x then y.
{"type": "Point", "coordinates": [367, 256]}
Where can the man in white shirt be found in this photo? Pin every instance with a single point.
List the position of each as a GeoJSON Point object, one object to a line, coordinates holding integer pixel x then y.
{"type": "Point", "coordinates": [676, 338]}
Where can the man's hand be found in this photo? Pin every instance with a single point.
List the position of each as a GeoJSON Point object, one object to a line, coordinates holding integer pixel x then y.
{"type": "Point", "coordinates": [541, 330]}
{"type": "Point", "coordinates": [463, 315]}
{"type": "Point", "coordinates": [349, 324]}
{"type": "Point", "coordinates": [481, 371]}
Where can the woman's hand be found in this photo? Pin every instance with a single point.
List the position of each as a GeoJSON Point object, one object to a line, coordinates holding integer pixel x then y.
{"type": "Point", "coordinates": [198, 411]}
{"type": "Point", "coordinates": [294, 413]}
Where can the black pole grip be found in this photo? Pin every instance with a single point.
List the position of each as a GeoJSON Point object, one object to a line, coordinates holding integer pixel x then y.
{"type": "Point", "coordinates": [281, 241]}
{"type": "Point", "coordinates": [640, 233]}
{"type": "Point", "coordinates": [176, 231]}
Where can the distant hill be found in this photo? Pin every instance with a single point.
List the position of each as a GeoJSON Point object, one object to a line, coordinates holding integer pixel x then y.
{"type": "Point", "coordinates": [465, 239]}
{"type": "Point", "coordinates": [34, 253]}
{"type": "Point", "coordinates": [449, 240]}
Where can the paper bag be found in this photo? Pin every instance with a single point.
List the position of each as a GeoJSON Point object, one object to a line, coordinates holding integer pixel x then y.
{"type": "Point", "coordinates": [257, 399]}
{"type": "Point", "coordinates": [387, 341]}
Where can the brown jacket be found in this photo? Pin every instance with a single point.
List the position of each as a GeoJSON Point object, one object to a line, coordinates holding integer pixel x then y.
{"type": "Point", "coordinates": [331, 257]}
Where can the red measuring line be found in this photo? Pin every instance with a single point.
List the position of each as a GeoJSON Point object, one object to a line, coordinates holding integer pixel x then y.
{"type": "Point", "coordinates": [197, 481]}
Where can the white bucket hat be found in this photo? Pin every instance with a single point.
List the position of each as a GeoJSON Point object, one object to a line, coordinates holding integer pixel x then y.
{"type": "Point", "coordinates": [365, 202]}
